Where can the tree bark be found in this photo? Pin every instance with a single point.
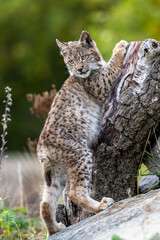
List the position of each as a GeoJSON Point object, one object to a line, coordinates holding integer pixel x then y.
{"type": "Point", "coordinates": [129, 116]}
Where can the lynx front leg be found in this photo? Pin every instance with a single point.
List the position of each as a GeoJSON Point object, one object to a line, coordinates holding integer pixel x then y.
{"type": "Point", "coordinates": [81, 197]}
{"type": "Point", "coordinates": [80, 181]}
{"type": "Point", "coordinates": [120, 49]}
{"type": "Point", "coordinates": [117, 58]}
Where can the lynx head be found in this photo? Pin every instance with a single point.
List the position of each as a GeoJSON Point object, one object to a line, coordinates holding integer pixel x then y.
{"type": "Point", "coordinates": [81, 57]}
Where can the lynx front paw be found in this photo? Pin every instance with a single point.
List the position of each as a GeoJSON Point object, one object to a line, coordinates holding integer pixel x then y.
{"type": "Point", "coordinates": [105, 203]}
{"type": "Point", "coordinates": [121, 47]}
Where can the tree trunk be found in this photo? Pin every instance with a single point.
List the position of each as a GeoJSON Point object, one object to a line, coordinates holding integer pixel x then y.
{"type": "Point", "coordinates": [129, 116]}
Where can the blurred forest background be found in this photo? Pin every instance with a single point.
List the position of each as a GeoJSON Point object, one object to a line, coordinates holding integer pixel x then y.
{"type": "Point", "coordinates": [29, 57]}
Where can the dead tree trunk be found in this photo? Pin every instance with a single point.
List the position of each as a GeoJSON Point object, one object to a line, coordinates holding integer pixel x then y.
{"type": "Point", "coordinates": [129, 114]}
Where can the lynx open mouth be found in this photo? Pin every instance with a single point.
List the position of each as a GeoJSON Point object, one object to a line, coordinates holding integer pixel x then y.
{"type": "Point", "coordinates": [84, 74]}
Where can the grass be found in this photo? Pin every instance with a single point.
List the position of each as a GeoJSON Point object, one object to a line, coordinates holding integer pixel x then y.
{"type": "Point", "coordinates": [24, 223]}
{"type": "Point", "coordinates": [15, 224]}
{"type": "Point", "coordinates": [144, 171]}
{"type": "Point", "coordinates": [115, 237]}
{"type": "Point", "coordinates": [156, 236]}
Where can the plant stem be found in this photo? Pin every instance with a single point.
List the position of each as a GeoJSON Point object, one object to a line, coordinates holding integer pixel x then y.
{"type": "Point", "coordinates": [5, 119]}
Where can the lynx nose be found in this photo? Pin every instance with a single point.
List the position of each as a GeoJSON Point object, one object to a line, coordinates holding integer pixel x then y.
{"type": "Point", "coordinates": [80, 70]}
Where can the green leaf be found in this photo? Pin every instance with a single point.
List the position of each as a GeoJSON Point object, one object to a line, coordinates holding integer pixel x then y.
{"type": "Point", "coordinates": [115, 237]}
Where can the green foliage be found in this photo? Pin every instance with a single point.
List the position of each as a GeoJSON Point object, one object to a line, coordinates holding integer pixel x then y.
{"type": "Point", "coordinates": [149, 155]}
{"type": "Point", "coordinates": [8, 223]}
{"type": "Point", "coordinates": [144, 171]}
{"type": "Point", "coordinates": [29, 59]}
{"type": "Point", "coordinates": [15, 224]}
{"type": "Point", "coordinates": [156, 236]}
{"type": "Point", "coordinates": [115, 237]}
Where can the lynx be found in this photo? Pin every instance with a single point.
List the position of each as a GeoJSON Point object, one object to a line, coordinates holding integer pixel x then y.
{"type": "Point", "coordinates": [65, 144]}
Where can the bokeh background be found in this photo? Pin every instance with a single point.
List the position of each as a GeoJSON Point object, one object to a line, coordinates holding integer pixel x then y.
{"type": "Point", "coordinates": [29, 57]}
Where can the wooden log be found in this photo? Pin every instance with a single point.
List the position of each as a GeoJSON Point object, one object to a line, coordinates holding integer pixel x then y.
{"type": "Point", "coordinates": [129, 115]}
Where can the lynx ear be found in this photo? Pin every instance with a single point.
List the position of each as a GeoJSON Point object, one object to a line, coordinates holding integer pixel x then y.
{"type": "Point", "coordinates": [61, 44]}
{"type": "Point", "coordinates": [86, 39]}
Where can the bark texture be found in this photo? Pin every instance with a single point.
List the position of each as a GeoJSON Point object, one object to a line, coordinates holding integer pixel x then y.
{"type": "Point", "coordinates": [136, 218]}
{"type": "Point", "coordinates": [129, 115]}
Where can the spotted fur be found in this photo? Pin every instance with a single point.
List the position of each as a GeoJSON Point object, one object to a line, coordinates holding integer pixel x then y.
{"type": "Point", "coordinates": [64, 147]}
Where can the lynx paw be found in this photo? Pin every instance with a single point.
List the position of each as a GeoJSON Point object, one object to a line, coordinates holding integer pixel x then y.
{"type": "Point", "coordinates": [55, 228]}
{"type": "Point", "coordinates": [121, 47]}
{"type": "Point", "coordinates": [105, 203]}
{"type": "Point", "coordinates": [60, 226]}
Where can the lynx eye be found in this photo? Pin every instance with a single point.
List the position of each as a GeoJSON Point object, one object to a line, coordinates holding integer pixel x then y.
{"type": "Point", "coordinates": [84, 57]}
{"type": "Point", "coordinates": [71, 62]}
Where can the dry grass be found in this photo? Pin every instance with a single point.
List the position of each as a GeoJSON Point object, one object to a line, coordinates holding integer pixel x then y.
{"type": "Point", "coordinates": [23, 180]}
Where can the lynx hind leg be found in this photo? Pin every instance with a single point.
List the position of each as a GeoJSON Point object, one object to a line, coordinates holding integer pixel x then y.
{"type": "Point", "coordinates": [80, 184]}
{"type": "Point", "coordinates": [53, 187]}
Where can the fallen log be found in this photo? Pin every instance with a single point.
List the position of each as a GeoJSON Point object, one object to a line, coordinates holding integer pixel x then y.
{"type": "Point", "coordinates": [128, 219]}
{"type": "Point", "coordinates": [130, 115]}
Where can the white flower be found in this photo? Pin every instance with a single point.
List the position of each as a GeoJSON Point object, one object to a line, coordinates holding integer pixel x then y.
{"type": "Point", "coordinates": [5, 119]}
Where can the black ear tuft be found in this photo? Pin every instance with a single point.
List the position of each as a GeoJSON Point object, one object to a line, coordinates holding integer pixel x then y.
{"type": "Point", "coordinates": [86, 39]}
